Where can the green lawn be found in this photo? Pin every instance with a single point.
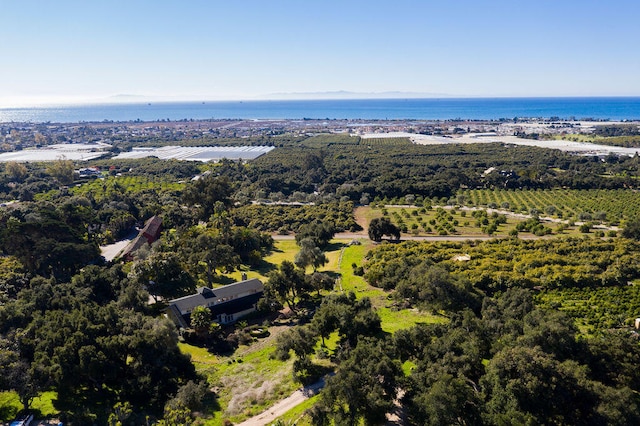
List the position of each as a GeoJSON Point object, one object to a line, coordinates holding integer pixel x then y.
{"type": "Point", "coordinates": [9, 406]}
{"type": "Point", "coordinates": [392, 319]}
{"type": "Point", "coordinates": [286, 250]}
{"type": "Point", "coordinates": [282, 250]}
{"type": "Point", "coordinates": [42, 405]}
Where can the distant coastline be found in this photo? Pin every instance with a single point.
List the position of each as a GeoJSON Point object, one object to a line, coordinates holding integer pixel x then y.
{"type": "Point", "coordinates": [567, 108]}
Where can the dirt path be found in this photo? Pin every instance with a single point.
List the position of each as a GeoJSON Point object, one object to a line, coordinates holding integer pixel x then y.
{"type": "Point", "coordinates": [361, 218]}
{"type": "Point", "coordinates": [355, 236]}
{"type": "Point", "coordinates": [281, 408]}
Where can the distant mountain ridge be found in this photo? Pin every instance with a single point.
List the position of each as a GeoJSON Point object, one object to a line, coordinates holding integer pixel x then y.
{"type": "Point", "coordinates": [344, 94]}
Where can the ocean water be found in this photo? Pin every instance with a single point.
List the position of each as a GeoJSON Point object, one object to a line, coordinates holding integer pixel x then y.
{"type": "Point", "coordinates": [600, 108]}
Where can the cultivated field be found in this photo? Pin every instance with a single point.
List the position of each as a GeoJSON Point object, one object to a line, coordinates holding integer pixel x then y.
{"type": "Point", "coordinates": [610, 206]}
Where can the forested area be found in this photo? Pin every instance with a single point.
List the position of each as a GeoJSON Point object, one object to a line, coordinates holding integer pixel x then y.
{"type": "Point", "coordinates": [528, 332]}
{"type": "Point", "coordinates": [500, 359]}
{"type": "Point", "coordinates": [353, 169]}
{"type": "Point", "coordinates": [507, 363]}
{"type": "Point", "coordinates": [516, 348]}
{"type": "Point", "coordinates": [72, 324]}
{"type": "Point", "coordinates": [289, 218]}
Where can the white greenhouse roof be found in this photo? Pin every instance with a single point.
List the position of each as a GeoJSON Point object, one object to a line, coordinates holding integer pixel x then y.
{"type": "Point", "coordinates": [198, 153]}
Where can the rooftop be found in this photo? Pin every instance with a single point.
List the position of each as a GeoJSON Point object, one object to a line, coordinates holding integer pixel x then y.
{"type": "Point", "coordinates": [209, 296]}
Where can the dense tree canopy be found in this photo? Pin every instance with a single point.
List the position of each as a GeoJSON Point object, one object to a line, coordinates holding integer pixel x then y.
{"type": "Point", "coordinates": [364, 387]}
{"type": "Point", "coordinates": [46, 240]}
{"type": "Point", "coordinates": [287, 284]}
{"type": "Point", "coordinates": [310, 255]}
{"type": "Point", "coordinates": [350, 167]}
{"type": "Point", "coordinates": [163, 275]}
{"type": "Point", "coordinates": [319, 232]}
{"type": "Point", "coordinates": [206, 191]}
{"type": "Point", "coordinates": [632, 229]}
{"type": "Point", "coordinates": [91, 341]}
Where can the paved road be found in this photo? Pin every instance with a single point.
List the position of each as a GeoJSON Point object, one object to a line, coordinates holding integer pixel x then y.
{"type": "Point", "coordinates": [280, 408]}
{"type": "Point", "coordinates": [110, 251]}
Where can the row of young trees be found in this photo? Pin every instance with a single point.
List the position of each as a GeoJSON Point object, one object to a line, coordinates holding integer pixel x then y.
{"type": "Point", "coordinates": [289, 218]}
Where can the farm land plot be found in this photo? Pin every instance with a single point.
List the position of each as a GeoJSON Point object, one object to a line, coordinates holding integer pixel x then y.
{"type": "Point", "coordinates": [456, 221]}
{"type": "Point", "coordinates": [609, 206]}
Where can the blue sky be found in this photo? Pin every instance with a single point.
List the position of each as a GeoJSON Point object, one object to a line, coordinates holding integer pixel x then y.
{"type": "Point", "coordinates": [86, 50]}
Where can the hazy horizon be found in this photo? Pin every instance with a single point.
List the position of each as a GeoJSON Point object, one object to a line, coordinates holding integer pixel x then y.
{"type": "Point", "coordinates": [139, 99]}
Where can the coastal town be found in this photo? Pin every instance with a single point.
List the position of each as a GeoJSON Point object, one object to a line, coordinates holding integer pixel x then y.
{"type": "Point", "coordinates": [86, 141]}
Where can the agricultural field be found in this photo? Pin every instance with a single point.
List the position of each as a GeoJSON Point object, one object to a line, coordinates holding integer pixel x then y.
{"type": "Point", "coordinates": [385, 141]}
{"type": "Point", "coordinates": [323, 140]}
{"type": "Point", "coordinates": [288, 218]}
{"type": "Point", "coordinates": [631, 141]}
{"type": "Point", "coordinates": [461, 221]}
{"type": "Point", "coordinates": [593, 280]}
{"type": "Point", "coordinates": [100, 189]}
{"type": "Point", "coordinates": [607, 206]}
{"type": "Point", "coordinates": [596, 309]}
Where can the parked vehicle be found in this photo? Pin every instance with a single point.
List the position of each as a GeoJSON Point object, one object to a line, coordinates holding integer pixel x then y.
{"type": "Point", "coordinates": [23, 419]}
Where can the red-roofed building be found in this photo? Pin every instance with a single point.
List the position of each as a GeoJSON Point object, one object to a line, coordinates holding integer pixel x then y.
{"type": "Point", "coordinates": [149, 234]}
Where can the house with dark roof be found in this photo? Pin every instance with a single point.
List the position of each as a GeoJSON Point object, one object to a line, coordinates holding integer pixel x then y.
{"type": "Point", "coordinates": [147, 235]}
{"type": "Point", "coordinates": [227, 303]}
